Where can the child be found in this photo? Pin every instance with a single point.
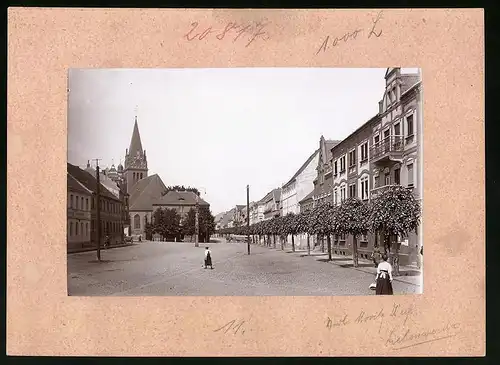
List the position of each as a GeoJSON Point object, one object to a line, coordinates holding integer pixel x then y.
{"type": "Point", "coordinates": [208, 258]}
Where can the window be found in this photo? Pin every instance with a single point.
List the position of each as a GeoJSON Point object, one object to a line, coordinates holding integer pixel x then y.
{"type": "Point", "coordinates": [364, 152]}
{"type": "Point", "coordinates": [137, 221]}
{"type": "Point", "coordinates": [93, 203]}
{"type": "Point", "coordinates": [342, 193]}
{"type": "Point", "coordinates": [397, 129]}
{"type": "Point", "coordinates": [363, 238]}
{"type": "Point", "coordinates": [86, 229]}
{"type": "Point", "coordinates": [71, 228]}
{"type": "Point", "coordinates": [352, 191]}
{"type": "Point", "coordinates": [376, 140]}
{"type": "Point", "coordinates": [397, 175]}
{"type": "Point", "coordinates": [86, 203]}
{"type": "Point", "coordinates": [352, 158]}
{"type": "Point", "coordinates": [81, 203]}
{"type": "Point", "coordinates": [82, 232]}
{"type": "Point", "coordinates": [335, 197]}
{"type": "Point", "coordinates": [76, 228]}
{"type": "Point", "coordinates": [71, 201]}
{"type": "Point", "coordinates": [410, 175]}
{"type": "Point", "coordinates": [409, 125]}
{"type": "Point", "coordinates": [342, 164]}
{"type": "Point", "coordinates": [364, 188]}
{"type": "Point", "coordinates": [335, 167]}
{"type": "Point", "coordinates": [387, 178]}
{"type": "Point", "coordinates": [376, 181]}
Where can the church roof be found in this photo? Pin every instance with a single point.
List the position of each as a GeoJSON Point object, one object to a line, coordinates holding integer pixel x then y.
{"type": "Point", "coordinates": [135, 142]}
{"type": "Point", "coordinates": [179, 198]}
{"type": "Point", "coordinates": [145, 192]}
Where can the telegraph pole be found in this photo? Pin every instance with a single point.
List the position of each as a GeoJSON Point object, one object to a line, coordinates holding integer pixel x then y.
{"type": "Point", "coordinates": [98, 209]}
{"type": "Point", "coordinates": [196, 222]}
{"type": "Point", "coordinates": [248, 218]}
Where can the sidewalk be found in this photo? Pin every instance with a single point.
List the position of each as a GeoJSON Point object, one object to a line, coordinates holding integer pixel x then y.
{"type": "Point", "coordinates": [88, 249]}
{"type": "Point", "coordinates": [407, 274]}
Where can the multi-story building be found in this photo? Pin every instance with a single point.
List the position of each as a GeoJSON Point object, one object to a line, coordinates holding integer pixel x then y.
{"type": "Point", "coordinates": [271, 204]}
{"type": "Point", "coordinates": [110, 207]}
{"type": "Point", "coordinates": [385, 150]}
{"type": "Point", "coordinates": [297, 188]}
{"type": "Point", "coordinates": [254, 213]}
{"type": "Point", "coordinates": [78, 215]}
{"type": "Point", "coordinates": [323, 183]}
{"type": "Point", "coordinates": [300, 185]}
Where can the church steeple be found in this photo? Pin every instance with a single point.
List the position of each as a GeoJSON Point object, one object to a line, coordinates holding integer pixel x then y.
{"type": "Point", "coordinates": [136, 164]}
{"type": "Point", "coordinates": [135, 142]}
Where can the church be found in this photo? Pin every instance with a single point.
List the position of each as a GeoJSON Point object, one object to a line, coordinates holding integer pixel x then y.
{"type": "Point", "coordinates": [145, 193]}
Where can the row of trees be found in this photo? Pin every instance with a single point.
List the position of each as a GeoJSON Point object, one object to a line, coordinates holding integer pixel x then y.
{"type": "Point", "coordinates": [181, 188]}
{"type": "Point", "coordinates": [394, 212]}
{"type": "Point", "coordinates": [169, 224]}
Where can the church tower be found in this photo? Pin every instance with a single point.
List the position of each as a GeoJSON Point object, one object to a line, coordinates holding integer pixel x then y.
{"type": "Point", "coordinates": [136, 163]}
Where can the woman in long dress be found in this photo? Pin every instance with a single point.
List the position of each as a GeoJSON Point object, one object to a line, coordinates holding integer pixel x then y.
{"type": "Point", "coordinates": [208, 258]}
{"type": "Point", "coordinates": [384, 277]}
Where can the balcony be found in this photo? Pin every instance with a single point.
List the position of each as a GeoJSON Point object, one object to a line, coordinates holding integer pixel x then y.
{"type": "Point", "coordinates": [389, 149]}
{"type": "Point", "coordinates": [380, 189]}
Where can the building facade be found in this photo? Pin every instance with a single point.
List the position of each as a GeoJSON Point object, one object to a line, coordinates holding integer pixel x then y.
{"type": "Point", "coordinates": [296, 189]}
{"type": "Point", "coordinates": [271, 204]}
{"type": "Point", "coordinates": [323, 183]}
{"type": "Point", "coordinates": [386, 150]}
{"type": "Point", "coordinates": [111, 208]}
{"type": "Point", "coordinates": [78, 215]}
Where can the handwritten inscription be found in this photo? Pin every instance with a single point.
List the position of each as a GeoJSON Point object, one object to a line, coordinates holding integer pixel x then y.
{"type": "Point", "coordinates": [352, 35]}
{"type": "Point", "coordinates": [402, 337]}
{"type": "Point", "coordinates": [397, 322]}
{"type": "Point", "coordinates": [249, 33]}
{"type": "Point", "coordinates": [233, 327]}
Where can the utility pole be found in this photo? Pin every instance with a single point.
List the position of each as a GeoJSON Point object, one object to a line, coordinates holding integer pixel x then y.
{"type": "Point", "coordinates": [248, 218]}
{"type": "Point", "coordinates": [196, 222]}
{"type": "Point", "coordinates": [98, 209]}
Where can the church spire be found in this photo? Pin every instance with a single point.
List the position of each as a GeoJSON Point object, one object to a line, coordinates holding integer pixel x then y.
{"type": "Point", "coordinates": [135, 142]}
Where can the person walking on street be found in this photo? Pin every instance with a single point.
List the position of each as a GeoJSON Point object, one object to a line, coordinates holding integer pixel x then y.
{"type": "Point", "coordinates": [208, 258]}
{"type": "Point", "coordinates": [384, 277]}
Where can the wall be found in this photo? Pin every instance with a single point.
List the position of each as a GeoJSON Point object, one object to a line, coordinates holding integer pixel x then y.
{"type": "Point", "coordinates": [78, 219]}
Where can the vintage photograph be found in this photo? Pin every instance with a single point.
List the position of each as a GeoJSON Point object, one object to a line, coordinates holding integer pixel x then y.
{"type": "Point", "coordinates": [245, 182]}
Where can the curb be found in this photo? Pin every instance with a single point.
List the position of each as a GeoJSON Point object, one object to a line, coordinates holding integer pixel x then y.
{"type": "Point", "coordinates": [95, 249]}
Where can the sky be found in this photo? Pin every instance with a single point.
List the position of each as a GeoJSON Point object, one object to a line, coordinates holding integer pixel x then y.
{"type": "Point", "coordinates": [218, 129]}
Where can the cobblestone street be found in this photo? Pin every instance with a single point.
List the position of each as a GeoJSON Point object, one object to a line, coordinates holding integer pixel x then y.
{"type": "Point", "coordinates": [167, 268]}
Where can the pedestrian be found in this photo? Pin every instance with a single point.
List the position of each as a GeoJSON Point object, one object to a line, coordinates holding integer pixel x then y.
{"type": "Point", "coordinates": [208, 258]}
{"type": "Point", "coordinates": [384, 277]}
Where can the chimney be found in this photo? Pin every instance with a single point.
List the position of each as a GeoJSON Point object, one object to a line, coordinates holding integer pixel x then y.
{"type": "Point", "coordinates": [88, 163]}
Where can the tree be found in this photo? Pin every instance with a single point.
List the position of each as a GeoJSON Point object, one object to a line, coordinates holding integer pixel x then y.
{"type": "Point", "coordinates": [319, 222]}
{"type": "Point", "coordinates": [303, 226]}
{"type": "Point", "coordinates": [188, 223]}
{"type": "Point", "coordinates": [181, 188]}
{"type": "Point", "coordinates": [206, 222]}
{"type": "Point", "coordinates": [148, 231]}
{"type": "Point", "coordinates": [290, 227]}
{"type": "Point", "coordinates": [394, 212]}
{"type": "Point", "coordinates": [171, 224]}
{"type": "Point", "coordinates": [352, 218]}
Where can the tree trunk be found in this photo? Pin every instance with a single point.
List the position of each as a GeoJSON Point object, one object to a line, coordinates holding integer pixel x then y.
{"type": "Point", "coordinates": [355, 251]}
{"type": "Point", "coordinates": [322, 244]}
{"type": "Point", "coordinates": [395, 259]}
{"type": "Point", "coordinates": [308, 245]}
{"type": "Point", "coordinates": [293, 243]}
{"type": "Point", "coordinates": [274, 240]}
{"type": "Point", "coordinates": [329, 244]}
{"type": "Point", "coordinates": [282, 240]}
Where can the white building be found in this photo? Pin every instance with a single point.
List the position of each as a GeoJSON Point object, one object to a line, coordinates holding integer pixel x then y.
{"type": "Point", "coordinates": [296, 189]}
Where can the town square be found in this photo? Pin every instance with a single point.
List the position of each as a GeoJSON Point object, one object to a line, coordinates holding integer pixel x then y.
{"type": "Point", "coordinates": [227, 209]}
